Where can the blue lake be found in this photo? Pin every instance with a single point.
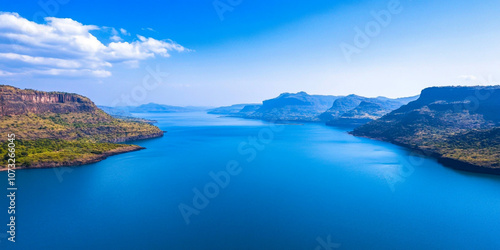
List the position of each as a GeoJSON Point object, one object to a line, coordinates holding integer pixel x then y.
{"type": "Point", "coordinates": [290, 187]}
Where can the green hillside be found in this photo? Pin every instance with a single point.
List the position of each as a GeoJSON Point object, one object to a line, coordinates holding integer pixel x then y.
{"type": "Point", "coordinates": [461, 125]}
{"type": "Point", "coordinates": [59, 129]}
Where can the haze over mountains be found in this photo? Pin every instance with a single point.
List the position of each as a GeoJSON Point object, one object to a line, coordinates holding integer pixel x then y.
{"type": "Point", "coordinates": [349, 110]}
{"type": "Point", "coordinates": [147, 108]}
{"type": "Point", "coordinates": [235, 110]}
{"type": "Point", "coordinates": [458, 125]}
{"type": "Point", "coordinates": [293, 107]}
{"type": "Point", "coordinates": [302, 107]}
{"type": "Point", "coordinates": [357, 110]}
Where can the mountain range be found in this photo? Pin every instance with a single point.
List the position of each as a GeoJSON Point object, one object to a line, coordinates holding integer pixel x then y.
{"type": "Point", "coordinates": [239, 110]}
{"type": "Point", "coordinates": [148, 108]}
{"type": "Point", "coordinates": [349, 110]}
{"type": "Point", "coordinates": [293, 107]}
{"type": "Point", "coordinates": [460, 126]}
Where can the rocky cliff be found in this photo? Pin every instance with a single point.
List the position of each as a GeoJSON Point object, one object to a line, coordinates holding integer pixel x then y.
{"type": "Point", "coordinates": [16, 101]}
{"type": "Point", "coordinates": [353, 110]}
{"type": "Point", "coordinates": [459, 125]}
{"type": "Point", "coordinates": [58, 128]}
{"type": "Point", "coordinates": [293, 107]}
{"type": "Point", "coordinates": [301, 107]}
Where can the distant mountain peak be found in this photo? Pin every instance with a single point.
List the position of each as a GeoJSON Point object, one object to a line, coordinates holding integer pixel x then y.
{"type": "Point", "coordinates": [357, 110]}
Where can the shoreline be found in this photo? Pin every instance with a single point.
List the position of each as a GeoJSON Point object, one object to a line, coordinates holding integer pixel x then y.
{"type": "Point", "coordinates": [98, 157]}
{"type": "Point", "coordinates": [139, 137]}
{"type": "Point", "coordinates": [280, 122]}
{"type": "Point", "coordinates": [445, 161]}
{"type": "Point", "coordinates": [79, 162]}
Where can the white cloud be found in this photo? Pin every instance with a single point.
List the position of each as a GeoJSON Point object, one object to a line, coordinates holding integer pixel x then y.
{"type": "Point", "coordinates": [149, 29]}
{"type": "Point", "coordinates": [3, 73]}
{"type": "Point", "coordinates": [124, 32]}
{"type": "Point", "coordinates": [468, 77]}
{"type": "Point", "coordinates": [116, 38]}
{"type": "Point", "coordinates": [63, 46]}
{"type": "Point", "coordinates": [41, 61]}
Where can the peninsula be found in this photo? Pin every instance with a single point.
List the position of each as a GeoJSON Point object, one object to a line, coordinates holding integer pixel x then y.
{"type": "Point", "coordinates": [55, 129]}
{"type": "Point", "coordinates": [460, 126]}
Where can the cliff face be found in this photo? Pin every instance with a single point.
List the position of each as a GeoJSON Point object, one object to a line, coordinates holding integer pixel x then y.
{"type": "Point", "coordinates": [341, 106]}
{"type": "Point", "coordinates": [349, 110]}
{"type": "Point", "coordinates": [357, 110]}
{"type": "Point", "coordinates": [61, 128]}
{"type": "Point", "coordinates": [16, 101]}
{"type": "Point", "coordinates": [293, 107]}
{"type": "Point", "coordinates": [483, 101]}
{"type": "Point", "coordinates": [451, 122]}
{"type": "Point", "coordinates": [248, 110]}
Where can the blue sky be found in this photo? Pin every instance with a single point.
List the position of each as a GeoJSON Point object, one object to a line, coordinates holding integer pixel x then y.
{"type": "Point", "coordinates": [194, 53]}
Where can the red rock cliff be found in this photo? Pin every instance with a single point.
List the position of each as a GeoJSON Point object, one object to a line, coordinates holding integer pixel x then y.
{"type": "Point", "coordinates": [14, 101]}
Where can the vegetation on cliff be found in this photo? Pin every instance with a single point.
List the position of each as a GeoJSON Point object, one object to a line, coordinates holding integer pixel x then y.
{"type": "Point", "coordinates": [293, 107]}
{"type": "Point", "coordinates": [96, 126]}
{"type": "Point", "coordinates": [58, 152]}
{"type": "Point", "coordinates": [358, 110]}
{"type": "Point", "coordinates": [458, 123]}
{"type": "Point", "coordinates": [334, 110]}
{"type": "Point", "coordinates": [55, 128]}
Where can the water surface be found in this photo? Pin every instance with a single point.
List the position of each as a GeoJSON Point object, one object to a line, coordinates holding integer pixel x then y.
{"type": "Point", "coordinates": [300, 185]}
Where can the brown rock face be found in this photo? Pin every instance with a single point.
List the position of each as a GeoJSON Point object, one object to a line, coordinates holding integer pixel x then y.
{"type": "Point", "coordinates": [14, 101]}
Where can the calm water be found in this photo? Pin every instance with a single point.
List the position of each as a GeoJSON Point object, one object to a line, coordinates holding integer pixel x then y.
{"type": "Point", "coordinates": [298, 186]}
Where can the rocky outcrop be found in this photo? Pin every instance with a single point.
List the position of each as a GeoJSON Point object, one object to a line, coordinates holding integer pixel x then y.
{"type": "Point", "coordinates": [14, 101]}
{"type": "Point", "coordinates": [293, 107]}
{"type": "Point", "coordinates": [459, 125]}
{"type": "Point", "coordinates": [248, 110]}
{"type": "Point", "coordinates": [52, 123]}
{"type": "Point", "coordinates": [341, 106]}
{"type": "Point", "coordinates": [301, 107]}
{"type": "Point", "coordinates": [354, 110]}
